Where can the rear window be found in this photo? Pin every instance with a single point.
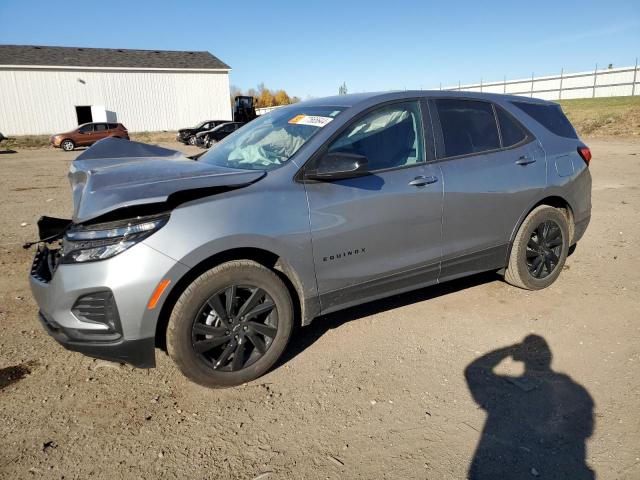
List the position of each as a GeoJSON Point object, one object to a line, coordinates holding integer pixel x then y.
{"type": "Point", "coordinates": [550, 116]}
{"type": "Point", "coordinates": [512, 133]}
{"type": "Point", "coordinates": [468, 126]}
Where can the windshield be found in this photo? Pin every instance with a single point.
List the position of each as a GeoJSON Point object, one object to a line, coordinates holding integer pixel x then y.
{"type": "Point", "coordinates": [270, 140]}
{"type": "Point", "coordinates": [199, 125]}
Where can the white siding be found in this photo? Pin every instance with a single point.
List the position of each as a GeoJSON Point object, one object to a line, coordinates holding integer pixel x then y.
{"type": "Point", "coordinates": [43, 101]}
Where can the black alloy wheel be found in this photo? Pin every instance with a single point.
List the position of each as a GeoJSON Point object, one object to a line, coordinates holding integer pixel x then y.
{"type": "Point", "coordinates": [544, 249]}
{"type": "Point", "coordinates": [234, 328]}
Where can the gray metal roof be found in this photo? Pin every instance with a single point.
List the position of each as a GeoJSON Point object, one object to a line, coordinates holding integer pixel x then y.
{"type": "Point", "coordinates": [354, 99]}
{"type": "Point", "coordinates": [32, 55]}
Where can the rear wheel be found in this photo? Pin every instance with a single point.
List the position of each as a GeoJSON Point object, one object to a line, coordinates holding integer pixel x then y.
{"type": "Point", "coordinates": [539, 249]}
{"type": "Point", "coordinates": [67, 145]}
{"type": "Point", "coordinates": [230, 325]}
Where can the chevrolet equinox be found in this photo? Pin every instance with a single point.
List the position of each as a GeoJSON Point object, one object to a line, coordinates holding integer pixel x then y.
{"type": "Point", "coordinates": [312, 208]}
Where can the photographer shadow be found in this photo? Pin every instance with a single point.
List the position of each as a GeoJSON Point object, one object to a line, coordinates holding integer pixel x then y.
{"type": "Point", "coordinates": [537, 423]}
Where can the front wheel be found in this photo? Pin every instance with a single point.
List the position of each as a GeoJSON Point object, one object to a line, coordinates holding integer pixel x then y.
{"type": "Point", "coordinates": [230, 325]}
{"type": "Point", "coordinates": [67, 145]}
{"type": "Point", "coordinates": [192, 140]}
{"type": "Point", "coordinates": [539, 249]}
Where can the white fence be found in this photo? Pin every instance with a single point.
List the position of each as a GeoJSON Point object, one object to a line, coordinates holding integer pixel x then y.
{"type": "Point", "coordinates": [610, 82]}
{"type": "Point", "coordinates": [263, 110]}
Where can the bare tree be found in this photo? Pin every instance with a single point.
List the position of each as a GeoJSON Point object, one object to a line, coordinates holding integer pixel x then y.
{"type": "Point", "coordinates": [342, 89]}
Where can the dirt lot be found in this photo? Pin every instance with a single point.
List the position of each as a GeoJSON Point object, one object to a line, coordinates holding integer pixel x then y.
{"type": "Point", "coordinates": [378, 391]}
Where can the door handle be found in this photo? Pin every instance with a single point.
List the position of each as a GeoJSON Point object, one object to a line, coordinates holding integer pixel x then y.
{"type": "Point", "coordinates": [525, 160]}
{"type": "Point", "coordinates": [421, 181]}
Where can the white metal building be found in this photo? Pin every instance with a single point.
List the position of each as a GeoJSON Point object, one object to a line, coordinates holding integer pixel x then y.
{"type": "Point", "coordinates": [46, 90]}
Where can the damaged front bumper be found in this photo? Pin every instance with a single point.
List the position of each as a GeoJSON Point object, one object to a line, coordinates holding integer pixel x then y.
{"type": "Point", "coordinates": [139, 353]}
{"type": "Point", "coordinates": [100, 308]}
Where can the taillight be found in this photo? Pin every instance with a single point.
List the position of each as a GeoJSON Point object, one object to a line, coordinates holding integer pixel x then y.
{"type": "Point", "coordinates": [585, 153]}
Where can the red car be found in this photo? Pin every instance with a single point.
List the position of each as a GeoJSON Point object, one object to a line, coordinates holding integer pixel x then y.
{"type": "Point", "coordinates": [88, 134]}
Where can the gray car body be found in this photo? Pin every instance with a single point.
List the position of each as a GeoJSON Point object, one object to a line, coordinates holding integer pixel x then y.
{"type": "Point", "coordinates": [339, 243]}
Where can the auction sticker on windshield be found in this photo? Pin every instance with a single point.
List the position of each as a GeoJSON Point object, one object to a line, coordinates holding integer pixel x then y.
{"type": "Point", "coordinates": [313, 120]}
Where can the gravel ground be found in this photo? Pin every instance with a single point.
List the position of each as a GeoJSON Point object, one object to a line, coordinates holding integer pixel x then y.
{"type": "Point", "coordinates": [379, 391]}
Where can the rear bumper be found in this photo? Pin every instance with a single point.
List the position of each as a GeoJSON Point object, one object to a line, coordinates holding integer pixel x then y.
{"type": "Point", "coordinates": [139, 353]}
{"type": "Point", "coordinates": [580, 228]}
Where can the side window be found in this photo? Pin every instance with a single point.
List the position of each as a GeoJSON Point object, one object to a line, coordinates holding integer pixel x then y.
{"type": "Point", "coordinates": [510, 130]}
{"type": "Point", "coordinates": [468, 126]}
{"type": "Point", "coordinates": [389, 137]}
{"type": "Point", "coordinates": [113, 126]}
{"type": "Point", "coordinates": [550, 116]}
{"type": "Point", "coordinates": [101, 127]}
{"type": "Point", "coordinates": [86, 128]}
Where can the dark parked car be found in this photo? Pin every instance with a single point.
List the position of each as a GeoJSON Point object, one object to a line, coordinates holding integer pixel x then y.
{"type": "Point", "coordinates": [209, 137]}
{"type": "Point", "coordinates": [88, 134]}
{"type": "Point", "coordinates": [309, 209]}
{"type": "Point", "coordinates": [188, 135]}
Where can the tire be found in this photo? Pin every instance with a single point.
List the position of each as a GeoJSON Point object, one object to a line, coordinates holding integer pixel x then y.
{"type": "Point", "coordinates": [538, 250]}
{"type": "Point", "coordinates": [192, 140]}
{"type": "Point", "coordinates": [67, 145]}
{"type": "Point", "coordinates": [251, 343]}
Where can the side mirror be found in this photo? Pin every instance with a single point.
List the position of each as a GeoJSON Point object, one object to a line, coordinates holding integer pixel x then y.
{"type": "Point", "coordinates": [338, 166]}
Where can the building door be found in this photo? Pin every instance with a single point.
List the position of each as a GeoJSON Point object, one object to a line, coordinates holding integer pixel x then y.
{"type": "Point", "coordinates": [84, 114]}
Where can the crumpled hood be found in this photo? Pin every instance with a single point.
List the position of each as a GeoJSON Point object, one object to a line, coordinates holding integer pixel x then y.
{"type": "Point", "coordinates": [116, 173]}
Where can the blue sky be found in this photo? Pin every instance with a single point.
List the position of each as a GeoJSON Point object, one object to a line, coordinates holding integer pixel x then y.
{"type": "Point", "coordinates": [311, 47]}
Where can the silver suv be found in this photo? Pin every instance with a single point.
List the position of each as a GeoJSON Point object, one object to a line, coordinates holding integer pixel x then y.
{"type": "Point", "coordinates": [310, 209]}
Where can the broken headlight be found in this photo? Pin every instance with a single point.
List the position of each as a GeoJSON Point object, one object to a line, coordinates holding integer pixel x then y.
{"type": "Point", "coordinates": [102, 241]}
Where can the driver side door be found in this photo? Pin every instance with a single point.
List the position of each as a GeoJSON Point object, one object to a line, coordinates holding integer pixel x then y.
{"type": "Point", "coordinates": [85, 135]}
{"type": "Point", "coordinates": [378, 234]}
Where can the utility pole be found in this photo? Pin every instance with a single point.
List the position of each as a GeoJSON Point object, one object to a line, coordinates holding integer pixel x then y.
{"type": "Point", "coordinates": [531, 95]}
{"type": "Point", "coordinates": [635, 74]}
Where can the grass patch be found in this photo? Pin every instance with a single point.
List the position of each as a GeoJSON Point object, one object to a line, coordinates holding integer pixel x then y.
{"type": "Point", "coordinates": [154, 137]}
{"type": "Point", "coordinates": [25, 142]}
{"type": "Point", "coordinates": [29, 142]}
{"type": "Point", "coordinates": [604, 117]}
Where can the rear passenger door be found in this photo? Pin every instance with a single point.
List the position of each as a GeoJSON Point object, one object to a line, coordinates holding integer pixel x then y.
{"type": "Point", "coordinates": [493, 169]}
{"type": "Point", "coordinates": [100, 131]}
